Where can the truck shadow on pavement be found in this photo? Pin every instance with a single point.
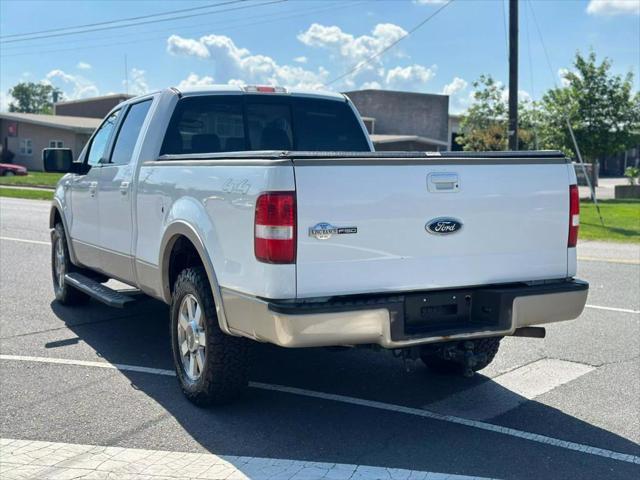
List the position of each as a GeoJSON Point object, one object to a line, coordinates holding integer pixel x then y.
{"type": "Point", "coordinates": [273, 424]}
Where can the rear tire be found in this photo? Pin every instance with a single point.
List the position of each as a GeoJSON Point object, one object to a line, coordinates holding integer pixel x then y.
{"type": "Point", "coordinates": [60, 266]}
{"type": "Point", "coordinates": [212, 367]}
{"type": "Point", "coordinates": [434, 361]}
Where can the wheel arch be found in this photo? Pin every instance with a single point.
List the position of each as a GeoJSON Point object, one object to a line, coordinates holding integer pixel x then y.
{"type": "Point", "coordinates": [56, 216]}
{"type": "Point", "coordinates": [181, 231]}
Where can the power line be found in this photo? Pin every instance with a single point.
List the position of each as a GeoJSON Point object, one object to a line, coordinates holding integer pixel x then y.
{"type": "Point", "coordinates": [504, 27]}
{"type": "Point", "coordinates": [544, 47]}
{"type": "Point", "coordinates": [120, 20]}
{"type": "Point", "coordinates": [228, 26]}
{"type": "Point", "coordinates": [91, 30]}
{"type": "Point", "coordinates": [10, 50]}
{"type": "Point", "coordinates": [566, 118]}
{"type": "Point", "coordinates": [362, 63]}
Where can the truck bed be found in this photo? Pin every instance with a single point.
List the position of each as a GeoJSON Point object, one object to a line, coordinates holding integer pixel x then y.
{"type": "Point", "coordinates": [512, 207]}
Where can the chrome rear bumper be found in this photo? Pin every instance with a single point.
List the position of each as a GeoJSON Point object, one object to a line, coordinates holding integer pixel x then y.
{"type": "Point", "coordinates": [379, 319]}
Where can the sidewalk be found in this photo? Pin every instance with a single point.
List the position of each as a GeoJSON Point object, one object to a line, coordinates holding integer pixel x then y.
{"type": "Point", "coordinates": [605, 189]}
{"type": "Point", "coordinates": [22, 459]}
{"type": "Point", "coordinates": [589, 250]}
{"type": "Point", "coordinates": [27, 187]}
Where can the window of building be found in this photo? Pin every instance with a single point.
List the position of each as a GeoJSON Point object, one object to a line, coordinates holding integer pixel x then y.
{"type": "Point", "coordinates": [56, 144]}
{"type": "Point", "coordinates": [129, 133]}
{"type": "Point", "coordinates": [26, 146]}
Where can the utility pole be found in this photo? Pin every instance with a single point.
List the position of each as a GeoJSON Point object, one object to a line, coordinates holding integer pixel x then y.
{"type": "Point", "coordinates": [513, 75]}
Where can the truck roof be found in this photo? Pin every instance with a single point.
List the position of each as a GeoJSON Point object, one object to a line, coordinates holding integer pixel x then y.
{"type": "Point", "coordinates": [213, 89]}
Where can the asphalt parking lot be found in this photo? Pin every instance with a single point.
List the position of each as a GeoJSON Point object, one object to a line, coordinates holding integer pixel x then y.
{"type": "Point", "coordinates": [567, 406]}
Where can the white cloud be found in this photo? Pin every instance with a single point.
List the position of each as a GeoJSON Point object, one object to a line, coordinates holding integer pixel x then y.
{"type": "Point", "coordinates": [194, 80]}
{"type": "Point", "coordinates": [371, 85]}
{"type": "Point", "coordinates": [613, 7]}
{"type": "Point", "coordinates": [353, 49]}
{"type": "Point", "coordinates": [459, 95]}
{"type": "Point", "coordinates": [232, 63]}
{"type": "Point", "coordinates": [137, 82]}
{"type": "Point", "coordinates": [176, 45]}
{"type": "Point", "coordinates": [411, 77]}
{"type": "Point", "coordinates": [562, 73]}
{"type": "Point", "coordinates": [83, 66]}
{"type": "Point", "coordinates": [236, 65]}
{"type": "Point", "coordinates": [523, 95]}
{"type": "Point", "coordinates": [80, 86]}
{"type": "Point", "coordinates": [360, 52]}
{"type": "Point", "coordinates": [5, 100]}
{"type": "Point", "coordinates": [456, 85]}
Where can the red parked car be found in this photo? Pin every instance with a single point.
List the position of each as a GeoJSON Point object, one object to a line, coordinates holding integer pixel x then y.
{"type": "Point", "coordinates": [8, 170]}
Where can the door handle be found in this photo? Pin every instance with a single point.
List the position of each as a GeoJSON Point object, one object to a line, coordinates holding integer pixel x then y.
{"type": "Point", "coordinates": [93, 187]}
{"type": "Point", "coordinates": [124, 188]}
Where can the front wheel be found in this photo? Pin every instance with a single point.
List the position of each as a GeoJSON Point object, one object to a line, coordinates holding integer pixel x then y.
{"type": "Point", "coordinates": [60, 266]}
{"type": "Point", "coordinates": [212, 367]}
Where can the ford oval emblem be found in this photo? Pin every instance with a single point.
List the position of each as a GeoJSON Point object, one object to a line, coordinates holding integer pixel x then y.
{"type": "Point", "coordinates": [443, 226]}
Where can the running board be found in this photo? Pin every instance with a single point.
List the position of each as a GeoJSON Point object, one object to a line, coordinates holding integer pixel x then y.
{"type": "Point", "coordinates": [96, 290]}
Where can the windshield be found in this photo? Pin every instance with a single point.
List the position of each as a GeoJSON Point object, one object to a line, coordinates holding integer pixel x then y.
{"type": "Point", "coordinates": [231, 123]}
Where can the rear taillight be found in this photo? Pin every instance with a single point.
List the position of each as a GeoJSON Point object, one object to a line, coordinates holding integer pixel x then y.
{"type": "Point", "coordinates": [275, 227]}
{"type": "Point", "coordinates": [574, 215]}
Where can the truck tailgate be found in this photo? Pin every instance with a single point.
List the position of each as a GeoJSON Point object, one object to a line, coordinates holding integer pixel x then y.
{"type": "Point", "coordinates": [371, 218]}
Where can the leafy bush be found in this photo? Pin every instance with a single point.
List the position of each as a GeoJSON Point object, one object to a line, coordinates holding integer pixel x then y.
{"type": "Point", "coordinates": [632, 174]}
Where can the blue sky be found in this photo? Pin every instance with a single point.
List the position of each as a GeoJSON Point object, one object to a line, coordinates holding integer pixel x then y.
{"type": "Point", "coordinates": [308, 43]}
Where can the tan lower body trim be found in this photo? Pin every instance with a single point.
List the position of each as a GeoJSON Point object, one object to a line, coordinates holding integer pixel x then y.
{"type": "Point", "coordinates": [250, 317]}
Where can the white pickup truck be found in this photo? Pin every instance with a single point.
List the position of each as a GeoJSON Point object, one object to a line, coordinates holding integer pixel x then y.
{"type": "Point", "coordinates": [264, 214]}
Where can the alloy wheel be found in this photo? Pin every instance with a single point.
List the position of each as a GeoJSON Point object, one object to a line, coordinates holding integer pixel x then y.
{"type": "Point", "coordinates": [192, 339]}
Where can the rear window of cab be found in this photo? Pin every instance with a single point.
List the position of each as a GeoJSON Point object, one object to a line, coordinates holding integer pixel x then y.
{"type": "Point", "coordinates": [233, 123]}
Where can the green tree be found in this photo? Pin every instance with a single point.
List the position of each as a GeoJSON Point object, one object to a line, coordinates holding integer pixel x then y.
{"type": "Point", "coordinates": [32, 97]}
{"type": "Point", "coordinates": [485, 124]}
{"type": "Point", "coordinates": [603, 110]}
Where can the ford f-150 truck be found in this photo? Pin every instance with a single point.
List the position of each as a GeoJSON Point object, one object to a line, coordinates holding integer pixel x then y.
{"type": "Point", "coordinates": [260, 213]}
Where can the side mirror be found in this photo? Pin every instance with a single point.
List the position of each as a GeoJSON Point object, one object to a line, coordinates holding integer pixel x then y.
{"type": "Point", "coordinates": [59, 160]}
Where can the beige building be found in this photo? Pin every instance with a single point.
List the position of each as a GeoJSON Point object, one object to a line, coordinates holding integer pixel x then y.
{"type": "Point", "coordinates": [27, 134]}
{"type": "Point", "coordinates": [94, 107]}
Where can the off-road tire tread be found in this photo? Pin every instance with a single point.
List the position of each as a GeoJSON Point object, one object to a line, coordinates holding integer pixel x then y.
{"type": "Point", "coordinates": [70, 296]}
{"type": "Point", "coordinates": [226, 373]}
{"type": "Point", "coordinates": [437, 364]}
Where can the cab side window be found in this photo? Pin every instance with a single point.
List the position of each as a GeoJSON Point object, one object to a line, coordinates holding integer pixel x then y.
{"type": "Point", "coordinates": [100, 141]}
{"type": "Point", "coordinates": [129, 133]}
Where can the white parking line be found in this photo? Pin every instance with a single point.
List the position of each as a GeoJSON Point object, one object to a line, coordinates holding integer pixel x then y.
{"type": "Point", "coordinates": [34, 459]}
{"type": "Point", "coordinates": [533, 437]}
{"type": "Point", "coordinates": [612, 309]}
{"type": "Point", "coordinates": [510, 390]}
{"type": "Point", "coordinates": [23, 240]}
